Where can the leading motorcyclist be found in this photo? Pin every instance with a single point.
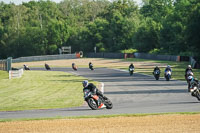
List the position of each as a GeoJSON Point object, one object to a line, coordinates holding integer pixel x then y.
{"type": "Point", "coordinates": [92, 88]}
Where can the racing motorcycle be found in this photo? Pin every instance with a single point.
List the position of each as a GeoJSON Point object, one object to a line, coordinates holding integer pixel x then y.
{"type": "Point", "coordinates": [189, 73]}
{"type": "Point", "coordinates": [156, 74]}
{"type": "Point", "coordinates": [91, 66]}
{"type": "Point", "coordinates": [96, 102]}
{"type": "Point", "coordinates": [168, 75]}
{"type": "Point", "coordinates": [194, 87]}
{"type": "Point", "coordinates": [131, 70]}
{"type": "Point", "coordinates": [74, 67]}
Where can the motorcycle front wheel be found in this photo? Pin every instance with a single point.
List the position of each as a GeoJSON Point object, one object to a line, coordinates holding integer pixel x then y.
{"type": "Point", "coordinates": [92, 104]}
{"type": "Point", "coordinates": [157, 77]}
{"type": "Point", "coordinates": [198, 95]}
{"type": "Point", "coordinates": [167, 78]}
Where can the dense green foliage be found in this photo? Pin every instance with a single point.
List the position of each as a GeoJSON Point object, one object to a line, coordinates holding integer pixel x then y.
{"type": "Point", "coordinates": [157, 26]}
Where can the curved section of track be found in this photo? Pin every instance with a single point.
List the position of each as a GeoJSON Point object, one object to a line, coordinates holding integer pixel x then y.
{"type": "Point", "coordinates": [130, 94]}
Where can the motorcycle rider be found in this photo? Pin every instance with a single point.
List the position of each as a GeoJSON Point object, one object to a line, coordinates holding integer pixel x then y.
{"type": "Point", "coordinates": [189, 68]}
{"type": "Point", "coordinates": [90, 65]}
{"type": "Point", "coordinates": [26, 67]}
{"type": "Point", "coordinates": [194, 80]}
{"type": "Point", "coordinates": [156, 68]}
{"type": "Point", "coordinates": [131, 66]}
{"type": "Point", "coordinates": [168, 68]}
{"type": "Point", "coordinates": [74, 66]}
{"type": "Point", "coordinates": [92, 88]}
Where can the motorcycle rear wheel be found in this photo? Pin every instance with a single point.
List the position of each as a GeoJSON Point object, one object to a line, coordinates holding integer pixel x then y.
{"type": "Point", "coordinates": [108, 104]}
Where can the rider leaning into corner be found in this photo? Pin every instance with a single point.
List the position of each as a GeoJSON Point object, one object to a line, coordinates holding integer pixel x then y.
{"type": "Point", "coordinates": [92, 88]}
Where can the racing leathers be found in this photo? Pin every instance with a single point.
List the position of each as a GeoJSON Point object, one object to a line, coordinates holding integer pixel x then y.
{"type": "Point", "coordinates": [168, 69]}
{"type": "Point", "coordinates": [94, 90]}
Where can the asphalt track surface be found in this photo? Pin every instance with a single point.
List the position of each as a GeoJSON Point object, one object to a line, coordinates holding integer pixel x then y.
{"type": "Point", "coordinates": [130, 94]}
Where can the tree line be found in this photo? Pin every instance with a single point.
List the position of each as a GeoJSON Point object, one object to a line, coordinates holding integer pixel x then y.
{"type": "Point", "coordinates": [157, 26]}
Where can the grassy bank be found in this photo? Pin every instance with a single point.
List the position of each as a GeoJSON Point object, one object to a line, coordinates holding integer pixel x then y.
{"type": "Point", "coordinates": [40, 90]}
{"type": "Point", "coordinates": [3, 75]}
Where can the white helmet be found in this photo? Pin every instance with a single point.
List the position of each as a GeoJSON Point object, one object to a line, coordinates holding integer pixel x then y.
{"type": "Point", "coordinates": [189, 66]}
{"type": "Point", "coordinates": [85, 83]}
{"type": "Point", "coordinates": [190, 78]}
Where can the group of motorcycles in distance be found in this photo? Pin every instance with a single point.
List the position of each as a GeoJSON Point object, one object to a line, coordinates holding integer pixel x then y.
{"type": "Point", "coordinates": [75, 68]}
{"type": "Point", "coordinates": [193, 83]}
{"type": "Point", "coordinates": [156, 72]}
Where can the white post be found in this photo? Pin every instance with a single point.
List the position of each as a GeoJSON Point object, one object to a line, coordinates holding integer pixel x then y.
{"type": "Point", "coordinates": [10, 74]}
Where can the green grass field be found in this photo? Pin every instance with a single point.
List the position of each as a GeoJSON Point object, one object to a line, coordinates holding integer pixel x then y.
{"type": "Point", "coordinates": [40, 90]}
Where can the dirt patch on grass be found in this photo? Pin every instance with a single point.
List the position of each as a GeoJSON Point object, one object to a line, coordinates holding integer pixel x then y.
{"type": "Point", "coordinates": [141, 124]}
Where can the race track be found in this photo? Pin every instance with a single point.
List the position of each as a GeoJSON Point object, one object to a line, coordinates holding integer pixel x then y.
{"type": "Point", "coordinates": [130, 94]}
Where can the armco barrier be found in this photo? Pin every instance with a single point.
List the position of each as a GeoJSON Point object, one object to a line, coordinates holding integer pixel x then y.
{"type": "Point", "coordinates": [105, 55]}
{"type": "Point", "coordinates": [156, 57]}
{"type": "Point", "coordinates": [45, 57]}
{"type": "Point", "coordinates": [3, 65]}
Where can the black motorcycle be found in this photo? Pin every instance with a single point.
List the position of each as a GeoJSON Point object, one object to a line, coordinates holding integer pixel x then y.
{"type": "Point", "coordinates": [189, 73]}
{"type": "Point", "coordinates": [91, 67]}
{"type": "Point", "coordinates": [194, 88]}
{"type": "Point", "coordinates": [131, 70]}
{"type": "Point", "coordinates": [74, 67]}
{"type": "Point", "coordinates": [156, 74]}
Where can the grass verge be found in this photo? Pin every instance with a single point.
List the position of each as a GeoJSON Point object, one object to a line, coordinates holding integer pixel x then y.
{"type": "Point", "coordinates": [40, 90]}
